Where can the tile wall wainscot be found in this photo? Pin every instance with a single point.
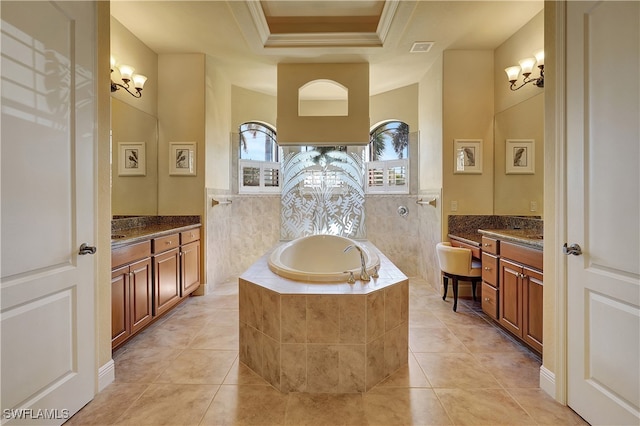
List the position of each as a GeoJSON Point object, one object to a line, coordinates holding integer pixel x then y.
{"type": "Point", "coordinates": [429, 234]}
{"type": "Point", "coordinates": [394, 235]}
{"type": "Point", "coordinates": [239, 233]}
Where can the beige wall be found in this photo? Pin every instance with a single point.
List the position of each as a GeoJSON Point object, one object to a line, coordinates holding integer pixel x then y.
{"type": "Point", "coordinates": [294, 129]}
{"type": "Point", "coordinates": [467, 114]}
{"type": "Point", "coordinates": [218, 130]}
{"type": "Point", "coordinates": [430, 118]}
{"type": "Point", "coordinates": [399, 104]}
{"type": "Point", "coordinates": [181, 118]}
{"type": "Point", "coordinates": [520, 45]}
{"type": "Point", "coordinates": [514, 193]}
{"type": "Point", "coordinates": [129, 50]}
{"type": "Point", "coordinates": [249, 105]}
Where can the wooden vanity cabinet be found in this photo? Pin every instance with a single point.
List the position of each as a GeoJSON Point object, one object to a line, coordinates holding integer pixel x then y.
{"type": "Point", "coordinates": [490, 277]}
{"type": "Point", "coordinates": [189, 261]}
{"type": "Point", "coordinates": [166, 272]}
{"type": "Point", "coordinates": [131, 291]}
{"type": "Point", "coordinates": [521, 290]}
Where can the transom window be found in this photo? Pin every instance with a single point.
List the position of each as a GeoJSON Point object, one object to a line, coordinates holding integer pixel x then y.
{"type": "Point", "coordinates": [387, 158]}
{"type": "Point", "coordinates": [259, 166]}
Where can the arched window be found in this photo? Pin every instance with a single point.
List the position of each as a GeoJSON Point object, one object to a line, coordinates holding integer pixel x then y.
{"type": "Point", "coordinates": [387, 158]}
{"type": "Point", "coordinates": [259, 156]}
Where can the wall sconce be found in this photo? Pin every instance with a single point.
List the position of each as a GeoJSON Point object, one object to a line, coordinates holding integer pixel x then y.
{"type": "Point", "coordinates": [526, 66]}
{"type": "Point", "coordinates": [126, 74]}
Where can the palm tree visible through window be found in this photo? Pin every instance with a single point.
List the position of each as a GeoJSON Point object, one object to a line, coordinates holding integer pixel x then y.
{"type": "Point", "coordinates": [389, 141]}
{"type": "Point", "coordinates": [387, 158]}
{"type": "Point", "coordinates": [259, 155]}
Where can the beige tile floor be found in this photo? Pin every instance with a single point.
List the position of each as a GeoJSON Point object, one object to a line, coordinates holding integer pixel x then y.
{"type": "Point", "coordinates": [184, 370]}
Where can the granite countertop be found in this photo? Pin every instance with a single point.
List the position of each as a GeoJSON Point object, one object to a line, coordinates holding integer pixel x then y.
{"type": "Point", "coordinates": [528, 237]}
{"type": "Point", "coordinates": [134, 230]}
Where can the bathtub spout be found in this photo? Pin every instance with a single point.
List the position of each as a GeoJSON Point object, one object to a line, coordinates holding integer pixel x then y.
{"type": "Point", "coordinates": [364, 276]}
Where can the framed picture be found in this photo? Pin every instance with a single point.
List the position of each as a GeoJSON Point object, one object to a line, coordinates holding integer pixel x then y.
{"type": "Point", "coordinates": [467, 155]}
{"type": "Point", "coordinates": [182, 158]}
{"type": "Point", "coordinates": [520, 156]}
{"type": "Point", "coordinates": [132, 159]}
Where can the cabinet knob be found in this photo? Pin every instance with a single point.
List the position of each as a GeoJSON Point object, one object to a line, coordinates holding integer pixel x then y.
{"type": "Point", "coordinates": [168, 242]}
{"type": "Point", "coordinates": [486, 299]}
{"type": "Point", "coordinates": [486, 268]}
{"type": "Point", "coordinates": [487, 244]}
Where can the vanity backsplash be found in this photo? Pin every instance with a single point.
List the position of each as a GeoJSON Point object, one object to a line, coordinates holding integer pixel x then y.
{"type": "Point", "coordinates": [469, 224]}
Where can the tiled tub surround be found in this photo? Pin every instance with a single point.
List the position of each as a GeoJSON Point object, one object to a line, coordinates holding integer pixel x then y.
{"type": "Point", "coordinates": [323, 338]}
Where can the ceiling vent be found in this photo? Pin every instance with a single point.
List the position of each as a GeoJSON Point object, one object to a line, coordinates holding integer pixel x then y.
{"type": "Point", "coordinates": [421, 47]}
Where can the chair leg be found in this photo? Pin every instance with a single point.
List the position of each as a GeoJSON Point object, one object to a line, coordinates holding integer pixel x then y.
{"type": "Point", "coordinates": [473, 290]}
{"type": "Point", "coordinates": [445, 281]}
{"type": "Point", "coordinates": [455, 294]}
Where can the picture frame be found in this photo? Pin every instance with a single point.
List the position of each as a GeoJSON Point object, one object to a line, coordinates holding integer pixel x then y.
{"type": "Point", "coordinates": [467, 156]}
{"type": "Point", "coordinates": [520, 156]}
{"type": "Point", "coordinates": [132, 159]}
{"type": "Point", "coordinates": [182, 158]}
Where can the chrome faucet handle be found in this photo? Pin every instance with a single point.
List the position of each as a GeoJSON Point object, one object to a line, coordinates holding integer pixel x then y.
{"type": "Point", "coordinates": [351, 278]}
{"type": "Point", "coordinates": [375, 273]}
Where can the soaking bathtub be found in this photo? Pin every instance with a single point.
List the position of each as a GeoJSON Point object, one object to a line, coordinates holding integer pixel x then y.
{"type": "Point", "coordinates": [321, 258]}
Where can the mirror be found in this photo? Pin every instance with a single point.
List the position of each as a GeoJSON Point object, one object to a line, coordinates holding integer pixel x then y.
{"type": "Point", "coordinates": [517, 190]}
{"type": "Point", "coordinates": [134, 161]}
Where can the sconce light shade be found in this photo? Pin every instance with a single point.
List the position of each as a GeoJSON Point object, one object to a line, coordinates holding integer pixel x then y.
{"type": "Point", "coordinates": [539, 54]}
{"type": "Point", "coordinates": [126, 74]}
{"type": "Point", "coordinates": [526, 66]}
{"type": "Point", "coordinates": [138, 81]}
{"type": "Point", "coordinates": [512, 73]}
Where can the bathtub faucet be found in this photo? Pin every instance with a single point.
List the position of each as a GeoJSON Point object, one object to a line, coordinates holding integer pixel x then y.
{"type": "Point", "coordinates": [364, 276]}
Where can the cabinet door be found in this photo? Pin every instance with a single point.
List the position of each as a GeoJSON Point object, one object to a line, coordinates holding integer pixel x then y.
{"type": "Point", "coordinates": [141, 296]}
{"type": "Point", "coordinates": [510, 296]}
{"type": "Point", "coordinates": [167, 280]}
{"type": "Point", "coordinates": [120, 325]}
{"type": "Point", "coordinates": [190, 263]}
{"type": "Point", "coordinates": [532, 309]}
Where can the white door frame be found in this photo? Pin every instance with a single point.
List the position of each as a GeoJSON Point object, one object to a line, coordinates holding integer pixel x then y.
{"type": "Point", "coordinates": [555, 141]}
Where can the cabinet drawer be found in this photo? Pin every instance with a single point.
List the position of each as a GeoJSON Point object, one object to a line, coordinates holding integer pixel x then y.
{"type": "Point", "coordinates": [131, 253]}
{"type": "Point", "coordinates": [490, 300]}
{"type": "Point", "coordinates": [165, 243]}
{"type": "Point", "coordinates": [490, 269]}
{"type": "Point", "coordinates": [490, 245]}
{"type": "Point", "coordinates": [475, 250]}
{"type": "Point", "coordinates": [189, 236]}
{"type": "Point", "coordinates": [521, 254]}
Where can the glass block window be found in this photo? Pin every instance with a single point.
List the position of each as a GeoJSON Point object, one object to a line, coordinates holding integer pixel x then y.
{"type": "Point", "coordinates": [258, 164]}
{"type": "Point", "coordinates": [387, 159]}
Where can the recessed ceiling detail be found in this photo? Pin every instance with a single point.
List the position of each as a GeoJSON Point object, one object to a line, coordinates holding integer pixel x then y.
{"type": "Point", "coordinates": [317, 24]}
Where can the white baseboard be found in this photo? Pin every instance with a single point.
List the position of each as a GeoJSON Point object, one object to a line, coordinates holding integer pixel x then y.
{"type": "Point", "coordinates": [548, 381]}
{"type": "Point", "coordinates": [106, 375]}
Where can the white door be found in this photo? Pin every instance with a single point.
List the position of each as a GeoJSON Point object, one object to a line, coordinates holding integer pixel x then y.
{"type": "Point", "coordinates": [603, 210]}
{"type": "Point", "coordinates": [47, 209]}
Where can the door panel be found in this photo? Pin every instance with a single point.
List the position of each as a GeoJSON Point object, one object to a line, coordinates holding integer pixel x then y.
{"type": "Point", "coordinates": [603, 206]}
{"type": "Point", "coordinates": [510, 295]}
{"type": "Point", "coordinates": [48, 138]}
{"type": "Point", "coordinates": [141, 296]}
